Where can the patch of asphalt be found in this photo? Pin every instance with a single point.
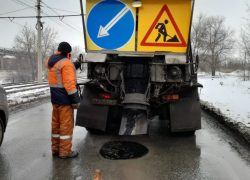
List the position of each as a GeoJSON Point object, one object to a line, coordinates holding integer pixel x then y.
{"type": "Point", "coordinates": [238, 128]}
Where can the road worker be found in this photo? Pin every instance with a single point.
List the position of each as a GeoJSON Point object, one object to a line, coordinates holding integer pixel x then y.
{"type": "Point", "coordinates": [64, 99]}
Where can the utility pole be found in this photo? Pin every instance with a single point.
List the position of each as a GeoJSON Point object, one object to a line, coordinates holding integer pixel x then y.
{"type": "Point", "coordinates": [1, 61]}
{"type": "Point", "coordinates": [39, 46]}
{"type": "Point", "coordinates": [245, 60]}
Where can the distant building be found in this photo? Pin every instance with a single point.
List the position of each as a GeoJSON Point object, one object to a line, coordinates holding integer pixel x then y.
{"type": "Point", "coordinates": [6, 55]}
{"type": "Point", "coordinates": [8, 62]}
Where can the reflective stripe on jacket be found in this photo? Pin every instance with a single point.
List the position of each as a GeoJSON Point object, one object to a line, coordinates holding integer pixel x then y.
{"type": "Point", "coordinates": [62, 80]}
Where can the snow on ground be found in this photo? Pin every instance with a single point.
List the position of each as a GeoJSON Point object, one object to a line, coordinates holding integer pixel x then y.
{"type": "Point", "coordinates": [15, 99]}
{"type": "Point", "coordinates": [4, 76]}
{"type": "Point", "coordinates": [27, 96]}
{"type": "Point", "coordinates": [9, 57]}
{"type": "Point", "coordinates": [229, 94]}
{"type": "Point", "coordinates": [227, 97]}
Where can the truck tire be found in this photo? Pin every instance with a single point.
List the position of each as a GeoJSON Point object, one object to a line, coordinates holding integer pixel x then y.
{"type": "Point", "coordinates": [1, 131]}
{"type": "Point", "coordinates": [164, 113]}
{"type": "Point", "coordinates": [94, 131]}
{"type": "Point", "coordinates": [114, 119]}
{"type": "Point", "coordinates": [189, 133]}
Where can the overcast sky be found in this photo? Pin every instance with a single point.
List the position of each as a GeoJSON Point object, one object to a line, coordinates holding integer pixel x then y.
{"type": "Point", "coordinates": [233, 10]}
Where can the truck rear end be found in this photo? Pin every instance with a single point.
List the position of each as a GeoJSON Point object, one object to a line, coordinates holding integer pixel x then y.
{"type": "Point", "coordinates": [140, 66]}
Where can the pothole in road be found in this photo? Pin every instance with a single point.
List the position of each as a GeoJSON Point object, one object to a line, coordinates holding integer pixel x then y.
{"type": "Point", "coordinates": [121, 150]}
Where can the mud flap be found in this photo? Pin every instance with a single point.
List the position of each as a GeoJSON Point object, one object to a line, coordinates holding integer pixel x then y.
{"type": "Point", "coordinates": [185, 115]}
{"type": "Point", "coordinates": [134, 122]}
{"type": "Point", "coordinates": [91, 115]}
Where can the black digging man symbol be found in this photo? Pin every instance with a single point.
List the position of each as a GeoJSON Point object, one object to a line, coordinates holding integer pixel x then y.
{"type": "Point", "coordinates": [163, 32]}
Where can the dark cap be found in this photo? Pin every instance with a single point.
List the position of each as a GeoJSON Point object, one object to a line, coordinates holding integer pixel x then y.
{"type": "Point", "coordinates": [64, 48]}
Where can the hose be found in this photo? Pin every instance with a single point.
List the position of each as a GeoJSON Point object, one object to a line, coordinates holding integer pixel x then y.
{"type": "Point", "coordinates": [116, 86]}
{"type": "Point", "coordinates": [197, 61]}
{"type": "Point", "coordinates": [79, 91]}
{"type": "Point", "coordinates": [81, 57]}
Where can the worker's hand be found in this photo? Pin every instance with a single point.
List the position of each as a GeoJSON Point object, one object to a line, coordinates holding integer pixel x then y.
{"type": "Point", "coordinates": [76, 106]}
{"type": "Point", "coordinates": [79, 59]}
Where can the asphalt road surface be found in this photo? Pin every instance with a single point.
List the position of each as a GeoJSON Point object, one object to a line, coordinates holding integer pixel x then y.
{"type": "Point", "coordinates": [212, 153]}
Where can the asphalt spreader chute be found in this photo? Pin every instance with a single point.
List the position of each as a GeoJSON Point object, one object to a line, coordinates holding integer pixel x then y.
{"type": "Point", "coordinates": [134, 122]}
{"type": "Point", "coordinates": [134, 119]}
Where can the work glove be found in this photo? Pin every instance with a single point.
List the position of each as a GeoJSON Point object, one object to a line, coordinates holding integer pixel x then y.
{"type": "Point", "coordinates": [76, 106]}
{"type": "Point", "coordinates": [79, 59]}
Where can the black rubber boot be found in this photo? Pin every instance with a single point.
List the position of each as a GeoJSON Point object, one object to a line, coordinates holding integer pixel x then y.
{"type": "Point", "coordinates": [72, 155]}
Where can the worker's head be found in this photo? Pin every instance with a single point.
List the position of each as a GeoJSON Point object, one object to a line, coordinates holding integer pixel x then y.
{"type": "Point", "coordinates": [166, 21]}
{"type": "Point", "coordinates": [64, 48]}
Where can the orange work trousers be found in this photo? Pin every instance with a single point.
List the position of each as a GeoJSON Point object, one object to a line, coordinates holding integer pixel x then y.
{"type": "Point", "coordinates": [62, 129]}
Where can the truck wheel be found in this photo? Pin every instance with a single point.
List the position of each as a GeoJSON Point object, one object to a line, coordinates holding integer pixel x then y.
{"type": "Point", "coordinates": [114, 119]}
{"type": "Point", "coordinates": [189, 133]}
{"type": "Point", "coordinates": [1, 131]}
{"type": "Point", "coordinates": [169, 127]}
{"type": "Point", "coordinates": [184, 133]}
{"type": "Point", "coordinates": [94, 131]}
{"type": "Point", "coordinates": [164, 113]}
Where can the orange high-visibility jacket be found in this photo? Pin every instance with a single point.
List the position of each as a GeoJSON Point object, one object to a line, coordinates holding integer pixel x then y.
{"type": "Point", "coordinates": [62, 79]}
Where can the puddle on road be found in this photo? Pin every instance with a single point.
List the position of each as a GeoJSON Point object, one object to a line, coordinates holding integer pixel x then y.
{"type": "Point", "coordinates": [123, 150]}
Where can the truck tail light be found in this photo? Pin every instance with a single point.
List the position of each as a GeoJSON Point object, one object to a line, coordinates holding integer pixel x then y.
{"type": "Point", "coordinates": [105, 96]}
{"type": "Point", "coordinates": [170, 97]}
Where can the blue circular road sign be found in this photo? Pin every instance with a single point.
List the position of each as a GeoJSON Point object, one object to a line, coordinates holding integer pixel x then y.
{"type": "Point", "coordinates": [110, 24]}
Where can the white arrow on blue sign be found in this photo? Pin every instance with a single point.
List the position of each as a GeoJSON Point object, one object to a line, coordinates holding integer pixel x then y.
{"type": "Point", "coordinates": [110, 24]}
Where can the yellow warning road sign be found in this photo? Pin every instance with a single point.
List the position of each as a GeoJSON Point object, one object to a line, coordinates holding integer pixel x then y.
{"type": "Point", "coordinates": [164, 25]}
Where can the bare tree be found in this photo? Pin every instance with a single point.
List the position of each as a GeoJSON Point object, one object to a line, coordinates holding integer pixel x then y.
{"type": "Point", "coordinates": [48, 42]}
{"type": "Point", "coordinates": [76, 50]}
{"type": "Point", "coordinates": [244, 51]}
{"type": "Point", "coordinates": [219, 41]}
{"type": "Point", "coordinates": [244, 45]}
{"type": "Point", "coordinates": [212, 40]}
{"type": "Point", "coordinates": [199, 34]}
{"type": "Point", "coordinates": [25, 45]}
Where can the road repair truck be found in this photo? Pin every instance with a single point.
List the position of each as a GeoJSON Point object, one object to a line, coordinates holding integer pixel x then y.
{"type": "Point", "coordinates": [139, 65]}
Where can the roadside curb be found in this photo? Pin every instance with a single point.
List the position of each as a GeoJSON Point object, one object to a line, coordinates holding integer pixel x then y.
{"type": "Point", "coordinates": [237, 127]}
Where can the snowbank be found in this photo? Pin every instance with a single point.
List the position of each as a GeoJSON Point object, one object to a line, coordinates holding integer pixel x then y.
{"type": "Point", "coordinates": [5, 76]}
{"type": "Point", "coordinates": [9, 57]}
{"type": "Point", "coordinates": [30, 98]}
{"type": "Point", "coordinates": [27, 96]}
{"type": "Point", "coordinates": [227, 97]}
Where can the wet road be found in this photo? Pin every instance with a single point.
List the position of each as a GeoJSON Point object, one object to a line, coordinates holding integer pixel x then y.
{"type": "Point", "coordinates": [211, 154]}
